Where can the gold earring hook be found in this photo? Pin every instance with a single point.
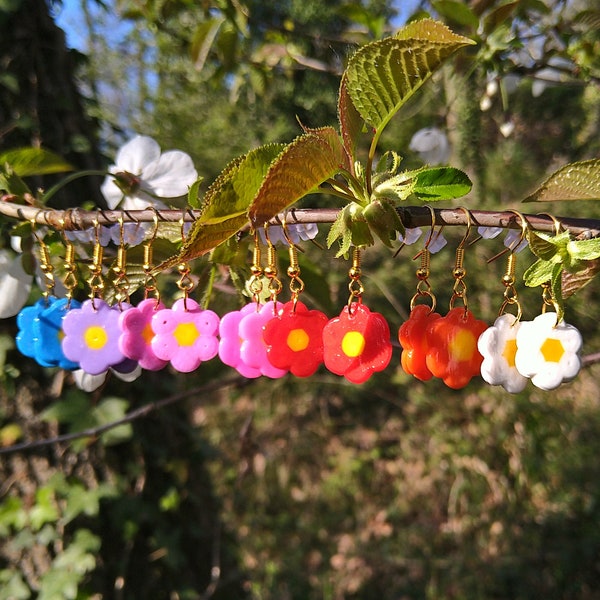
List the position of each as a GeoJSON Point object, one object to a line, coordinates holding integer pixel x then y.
{"type": "Point", "coordinates": [469, 225]}
{"type": "Point", "coordinates": [45, 263]}
{"type": "Point", "coordinates": [270, 271]}
{"type": "Point", "coordinates": [524, 230]}
{"type": "Point", "coordinates": [557, 224]}
{"type": "Point", "coordinates": [150, 285]}
{"type": "Point", "coordinates": [423, 285]}
{"type": "Point", "coordinates": [459, 272]}
{"type": "Point", "coordinates": [95, 281]}
{"type": "Point", "coordinates": [121, 282]}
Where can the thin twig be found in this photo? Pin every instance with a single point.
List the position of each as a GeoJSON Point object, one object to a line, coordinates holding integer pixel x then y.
{"type": "Point", "coordinates": [142, 411]}
{"type": "Point", "coordinates": [412, 216]}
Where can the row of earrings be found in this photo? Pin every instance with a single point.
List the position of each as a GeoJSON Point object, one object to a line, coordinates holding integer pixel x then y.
{"type": "Point", "coordinates": [272, 338]}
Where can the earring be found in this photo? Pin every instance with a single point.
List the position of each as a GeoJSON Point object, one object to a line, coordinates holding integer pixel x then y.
{"type": "Point", "coordinates": [412, 333]}
{"type": "Point", "coordinates": [498, 343]}
{"type": "Point", "coordinates": [136, 323]}
{"type": "Point", "coordinates": [294, 337]}
{"type": "Point", "coordinates": [186, 334]}
{"type": "Point", "coordinates": [357, 343]}
{"type": "Point", "coordinates": [452, 353]}
{"type": "Point", "coordinates": [40, 325]}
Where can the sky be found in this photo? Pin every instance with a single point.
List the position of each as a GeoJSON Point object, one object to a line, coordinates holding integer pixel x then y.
{"type": "Point", "coordinates": [69, 18]}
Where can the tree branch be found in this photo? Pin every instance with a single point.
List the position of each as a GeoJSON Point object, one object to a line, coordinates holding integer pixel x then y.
{"type": "Point", "coordinates": [142, 411]}
{"type": "Point", "coordinates": [412, 216]}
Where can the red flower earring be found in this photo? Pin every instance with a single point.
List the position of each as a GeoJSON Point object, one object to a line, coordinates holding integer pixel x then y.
{"type": "Point", "coordinates": [357, 343]}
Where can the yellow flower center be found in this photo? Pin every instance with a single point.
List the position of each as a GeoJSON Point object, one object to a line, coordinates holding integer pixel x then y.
{"type": "Point", "coordinates": [353, 344]}
{"type": "Point", "coordinates": [552, 350]}
{"type": "Point", "coordinates": [297, 340]}
{"type": "Point", "coordinates": [510, 351]}
{"type": "Point", "coordinates": [147, 334]}
{"type": "Point", "coordinates": [186, 334]}
{"type": "Point", "coordinates": [462, 346]}
{"type": "Point", "coordinates": [95, 337]}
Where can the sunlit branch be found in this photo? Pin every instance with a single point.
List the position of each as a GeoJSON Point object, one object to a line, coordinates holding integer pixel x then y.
{"type": "Point", "coordinates": [411, 216]}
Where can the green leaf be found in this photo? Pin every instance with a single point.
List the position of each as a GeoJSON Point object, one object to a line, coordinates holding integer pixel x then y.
{"type": "Point", "coordinates": [498, 15]}
{"type": "Point", "coordinates": [539, 272]}
{"type": "Point", "coordinates": [351, 123]}
{"type": "Point", "coordinates": [456, 12]}
{"type": "Point", "coordinates": [225, 204]}
{"type": "Point", "coordinates": [193, 198]}
{"type": "Point", "coordinates": [203, 39]}
{"type": "Point", "coordinates": [441, 183]}
{"type": "Point", "coordinates": [109, 411]}
{"type": "Point", "coordinates": [573, 282]}
{"type": "Point", "coordinates": [383, 75]}
{"type": "Point", "coordinates": [575, 181]}
{"type": "Point", "coordinates": [302, 166]}
{"type": "Point", "coordinates": [34, 161]}
{"type": "Point", "coordinates": [547, 247]}
{"type": "Point", "coordinates": [10, 182]}
{"type": "Point", "coordinates": [584, 249]}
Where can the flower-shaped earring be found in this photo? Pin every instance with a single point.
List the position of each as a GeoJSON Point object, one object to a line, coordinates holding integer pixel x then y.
{"type": "Point", "coordinates": [91, 333]}
{"type": "Point", "coordinates": [452, 353]}
{"type": "Point", "coordinates": [498, 343]}
{"type": "Point", "coordinates": [185, 335]}
{"type": "Point", "coordinates": [357, 343]}
{"type": "Point", "coordinates": [294, 337]}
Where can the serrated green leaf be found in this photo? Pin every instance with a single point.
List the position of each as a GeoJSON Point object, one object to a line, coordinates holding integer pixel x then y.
{"type": "Point", "coordinates": [575, 181]}
{"type": "Point", "coordinates": [225, 204]}
{"type": "Point", "coordinates": [441, 183]}
{"type": "Point", "coordinates": [539, 272]}
{"type": "Point", "coordinates": [34, 161]}
{"type": "Point", "coordinates": [549, 247]}
{"type": "Point", "coordinates": [456, 12]}
{"type": "Point", "coordinates": [193, 198]}
{"type": "Point", "coordinates": [584, 249]}
{"type": "Point", "coordinates": [10, 182]}
{"type": "Point", "coordinates": [498, 15]}
{"type": "Point", "coordinates": [351, 123]}
{"type": "Point", "coordinates": [234, 190]}
{"type": "Point", "coordinates": [384, 74]}
{"type": "Point", "coordinates": [300, 168]}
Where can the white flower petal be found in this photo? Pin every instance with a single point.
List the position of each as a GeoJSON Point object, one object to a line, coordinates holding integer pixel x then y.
{"type": "Point", "coordinates": [15, 284]}
{"type": "Point", "coordinates": [489, 233]}
{"type": "Point", "coordinates": [86, 382]}
{"type": "Point", "coordinates": [111, 192]}
{"type": "Point", "coordinates": [432, 145]}
{"type": "Point", "coordinates": [533, 361]}
{"type": "Point", "coordinates": [128, 377]}
{"type": "Point", "coordinates": [137, 154]}
{"type": "Point", "coordinates": [497, 345]}
{"type": "Point", "coordinates": [141, 201]}
{"type": "Point", "coordinates": [171, 175]}
{"type": "Point", "coordinates": [410, 235]}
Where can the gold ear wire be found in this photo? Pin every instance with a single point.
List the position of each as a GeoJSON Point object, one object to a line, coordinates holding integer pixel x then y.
{"type": "Point", "coordinates": [121, 282]}
{"type": "Point", "coordinates": [459, 290]}
{"type": "Point", "coordinates": [185, 283]}
{"type": "Point", "coordinates": [270, 271]}
{"type": "Point", "coordinates": [355, 286]}
{"type": "Point", "coordinates": [96, 281]}
{"type": "Point", "coordinates": [150, 285]}
{"type": "Point", "coordinates": [255, 283]}
{"type": "Point", "coordinates": [45, 264]}
{"type": "Point", "coordinates": [70, 279]}
{"type": "Point", "coordinates": [557, 224]}
{"type": "Point", "coordinates": [293, 271]}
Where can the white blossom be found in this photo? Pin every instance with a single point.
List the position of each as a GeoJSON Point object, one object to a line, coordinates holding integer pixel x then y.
{"type": "Point", "coordinates": [144, 176]}
{"type": "Point", "coordinates": [432, 145]}
{"type": "Point", "coordinates": [15, 284]}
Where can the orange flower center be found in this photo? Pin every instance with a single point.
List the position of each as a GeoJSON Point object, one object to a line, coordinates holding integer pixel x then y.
{"type": "Point", "coordinates": [186, 334]}
{"type": "Point", "coordinates": [353, 344]}
{"type": "Point", "coordinates": [462, 346]}
{"type": "Point", "coordinates": [552, 350]}
{"type": "Point", "coordinates": [510, 351]}
{"type": "Point", "coordinates": [297, 340]}
{"type": "Point", "coordinates": [95, 337]}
